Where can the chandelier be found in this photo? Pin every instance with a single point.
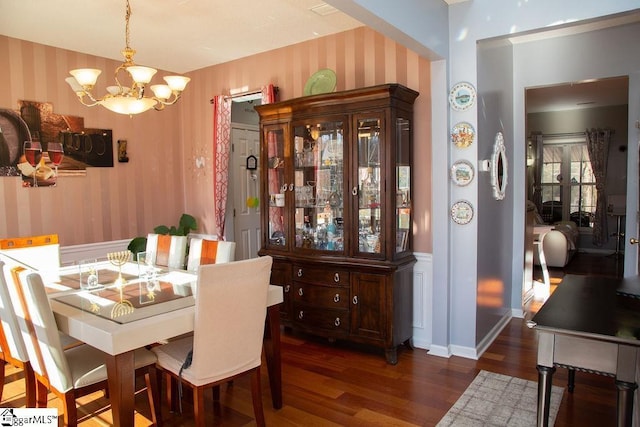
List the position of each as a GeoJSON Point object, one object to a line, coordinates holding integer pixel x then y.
{"type": "Point", "coordinates": [127, 99]}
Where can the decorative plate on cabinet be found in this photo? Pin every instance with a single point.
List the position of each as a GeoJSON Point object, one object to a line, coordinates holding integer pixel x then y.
{"type": "Point", "coordinates": [322, 81]}
{"type": "Point", "coordinates": [462, 212]}
{"type": "Point", "coordinates": [462, 173]}
{"type": "Point", "coordinates": [462, 135]}
{"type": "Point", "coordinates": [462, 96]}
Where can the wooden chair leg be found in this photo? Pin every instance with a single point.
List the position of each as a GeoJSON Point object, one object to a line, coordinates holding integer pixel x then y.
{"type": "Point", "coordinates": [31, 387]}
{"type": "Point", "coordinates": [198, 406]}
{"type": "Point", "coordinates": [256, 396]}
{"type": "Point", "coordinates": [42, 395]}
{"type": "Point", "coordinates": [70, 410]}
{"type": "Point", "coordinates": [153, 394]}
{"type": "Point", "coordinates": [2, 376]}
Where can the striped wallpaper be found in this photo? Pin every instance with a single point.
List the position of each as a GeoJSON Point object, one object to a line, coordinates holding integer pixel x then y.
{"type": "Point", "coordinates": [161, 180]}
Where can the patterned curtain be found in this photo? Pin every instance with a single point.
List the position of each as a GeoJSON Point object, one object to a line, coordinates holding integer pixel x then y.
{"type": "Point", "coordinates": [536, 142]}
{"type": "Point", "coordinates": [221, 143]}
{"type": "Point", "coordinates": [598, 146]}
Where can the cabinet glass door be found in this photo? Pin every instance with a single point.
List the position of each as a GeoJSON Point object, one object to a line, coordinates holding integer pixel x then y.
{"type": "Point", "coordinates": [403, 184]}
{"type": "Point", "coordinates": [369, 192]}
{"type": "Point", "coordinates": [277, 187]}
{"type": "Point", "coordinates": [318, 180]}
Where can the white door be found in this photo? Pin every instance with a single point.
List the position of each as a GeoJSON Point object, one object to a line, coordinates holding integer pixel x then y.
{"type": "Point", "coordinates": [245, 140]}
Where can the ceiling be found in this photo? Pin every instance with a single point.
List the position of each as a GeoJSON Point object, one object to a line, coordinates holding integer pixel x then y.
{"type": "Point", "coordinates": [185, 35]}
{"type": "Point", "coordinates": [172, 35]}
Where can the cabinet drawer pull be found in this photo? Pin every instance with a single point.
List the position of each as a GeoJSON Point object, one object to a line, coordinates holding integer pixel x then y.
{"type": "Point", "coordinates": [355, 299]}
{"type": "Point", "coordinates": [337, 321]}
{"type": "Point", "coordinates": [354, 191]}
{"type": "Point", "coordinates": [300, 291]}
{"type": "Point", "coordinates": [299, 272]}
{"type": "Point", "coordinates": [336, 298]}
{"type": "Point", "coordinates": [287, 288]}
{"type": "Point", "coordinates": [283, 188]}
{"type": "Point", "coordinates": [336, 278]}
{"type": "Point", "coordinates": [291, 186]}
{"type": "Point", "coordinates": [301, 314]}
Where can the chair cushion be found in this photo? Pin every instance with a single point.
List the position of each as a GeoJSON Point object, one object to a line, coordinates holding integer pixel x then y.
{"type": "Point", "coordinates": [172, 355]}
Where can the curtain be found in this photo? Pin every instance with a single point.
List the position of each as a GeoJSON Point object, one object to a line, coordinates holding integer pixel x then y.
{"type": "Point", "coordinates": [598, 146]}
{"type": "Point", "coordinates": [221, 150]}
{"type": "Point", "coordinates": [221, 145]}
{"type": "Point", "coordinates": [536, 142]}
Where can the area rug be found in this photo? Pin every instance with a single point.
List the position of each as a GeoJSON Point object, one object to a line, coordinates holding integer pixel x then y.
{"type": "Point", "coordinates": [499, 400]}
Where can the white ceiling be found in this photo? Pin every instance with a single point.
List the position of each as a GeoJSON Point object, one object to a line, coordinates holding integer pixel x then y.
{"type": "Point", "coordinates": [172, 35]}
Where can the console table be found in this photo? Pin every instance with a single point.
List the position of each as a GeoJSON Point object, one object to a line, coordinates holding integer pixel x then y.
{"type": "Point", "coordinates": [591, 324]}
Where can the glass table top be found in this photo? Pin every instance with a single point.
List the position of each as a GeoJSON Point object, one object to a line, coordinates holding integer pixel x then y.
{"type": "Point", "coordinates": [127, 300]}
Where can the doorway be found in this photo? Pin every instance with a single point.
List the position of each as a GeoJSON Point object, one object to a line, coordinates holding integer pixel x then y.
{"type": "Point", "coordinates": [243, 213]}
{"type": "Point", "coordinates": [559, 179]}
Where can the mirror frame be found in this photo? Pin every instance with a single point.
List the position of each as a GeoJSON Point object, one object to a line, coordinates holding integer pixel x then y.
{"type": "Point", "coordinates": [499, 168]}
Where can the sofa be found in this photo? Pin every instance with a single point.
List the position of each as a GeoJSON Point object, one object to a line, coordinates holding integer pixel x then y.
{"type": "Point", "coordinates": [559, 245]}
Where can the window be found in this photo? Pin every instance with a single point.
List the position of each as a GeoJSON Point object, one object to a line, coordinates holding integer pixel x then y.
{"type": "Point", "coordinates": [568, 183]}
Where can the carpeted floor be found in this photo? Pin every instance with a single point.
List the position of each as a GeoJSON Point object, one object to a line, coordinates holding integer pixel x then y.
{"type": "Point", "coordinates": [499, 400]}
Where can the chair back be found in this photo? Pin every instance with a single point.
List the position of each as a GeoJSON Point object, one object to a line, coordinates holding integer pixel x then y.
{"type": "Point", "coordinates": [167, 251]}
{"type": "Point", "coordinates": [36, 252]}
{"type": "Point", "coordinates": [231, 306]}
{"type": "Point", "coordinates": [205, 251]}
{"type": "Point", "coordinates": [11, 341]}
{"type": "Point", "coordinates": [40, 331]}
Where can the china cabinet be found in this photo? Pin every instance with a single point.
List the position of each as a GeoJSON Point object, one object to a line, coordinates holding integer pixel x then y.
{"type": "Point", "coordinates": [336, 177]}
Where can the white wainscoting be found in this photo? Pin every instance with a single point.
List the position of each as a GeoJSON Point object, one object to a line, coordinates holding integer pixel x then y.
{"type": "Point", "coordinates": [423, 301]}
{"type": "Point", "coordinates": [75, 253]}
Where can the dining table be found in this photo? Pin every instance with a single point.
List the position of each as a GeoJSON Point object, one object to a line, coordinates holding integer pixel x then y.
{"type": "Point", "coordinates": [123, 310]}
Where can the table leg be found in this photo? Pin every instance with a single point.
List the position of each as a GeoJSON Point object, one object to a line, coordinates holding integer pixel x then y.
{"type": "Point", "coordinates": [121, 379]}
{"type": "Point", "coordinates": [625, 402]}
{"type": "Point", "coordinates": [545, 377]}
{"type": "Point", "coordinates": [272, 353]}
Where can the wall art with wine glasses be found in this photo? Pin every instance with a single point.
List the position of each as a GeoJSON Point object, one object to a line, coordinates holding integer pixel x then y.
{"type": "Point", "coordinates": [41, 146]}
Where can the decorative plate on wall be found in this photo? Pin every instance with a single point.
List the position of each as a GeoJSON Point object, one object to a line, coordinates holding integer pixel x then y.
{"type": "Point", "coordinates": [462, 96]}
{"type": "Point", "coordinates": [462, 212]}
{"type": "Point", "coordinates": [462, 173]}
{"type": "Point", "coordinates": [462, 135]}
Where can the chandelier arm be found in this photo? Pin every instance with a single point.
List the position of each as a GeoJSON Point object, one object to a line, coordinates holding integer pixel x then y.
{"type": "Point", "coordinates": [93, 102]}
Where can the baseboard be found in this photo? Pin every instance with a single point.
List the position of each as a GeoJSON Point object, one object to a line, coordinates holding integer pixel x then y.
{"type": "Point", "coordinates": [75, 253]}
{"type": "Point", "coordinates": [440, 351]}
{"type": "Point", "coordinates": [493, 334]}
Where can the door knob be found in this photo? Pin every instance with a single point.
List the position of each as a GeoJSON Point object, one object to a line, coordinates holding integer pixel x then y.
{"type": "Point", "coordinates": [633, 241]}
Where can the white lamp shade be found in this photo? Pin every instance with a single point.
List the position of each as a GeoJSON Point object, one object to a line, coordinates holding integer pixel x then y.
{"type": "Point", "coordinates": [86, 76]}
{"type": "Point", "coordinates": [125, 105]}
{"type": "Point", "coordinates": [141, 74]}
{"type": "Point", "coordinates": [75, 86]}
{"type": "Point", "coordinates": [177, 83]}
{"type": "Point", "coordinates": [161, 91]}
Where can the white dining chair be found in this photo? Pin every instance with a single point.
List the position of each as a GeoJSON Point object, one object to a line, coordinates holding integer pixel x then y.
{"type": "Point", "coordinates": [36, 252]}
{"type": "Point", "coordinates": [12, 346]}
{"type": "Point", "coordinates": [69, 373]}
{"type": "Point", "coordinates": [205, 251]}
{"type": "Point", "coordinates": [167, 251]}
{"type": "Point", "coordinates": [230, 311]}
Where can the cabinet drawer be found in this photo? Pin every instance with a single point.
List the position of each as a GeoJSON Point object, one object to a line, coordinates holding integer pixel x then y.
{"type": "Point", "coordinates": [321, 275]}
{"type": "Point", "coordinates": [321, 296]}
{"type": "Point", "coordinates": [317, 318]}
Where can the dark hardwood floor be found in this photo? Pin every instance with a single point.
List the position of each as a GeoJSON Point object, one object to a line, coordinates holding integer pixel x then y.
{"type": "Point", "coordinates": [331, 384]}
